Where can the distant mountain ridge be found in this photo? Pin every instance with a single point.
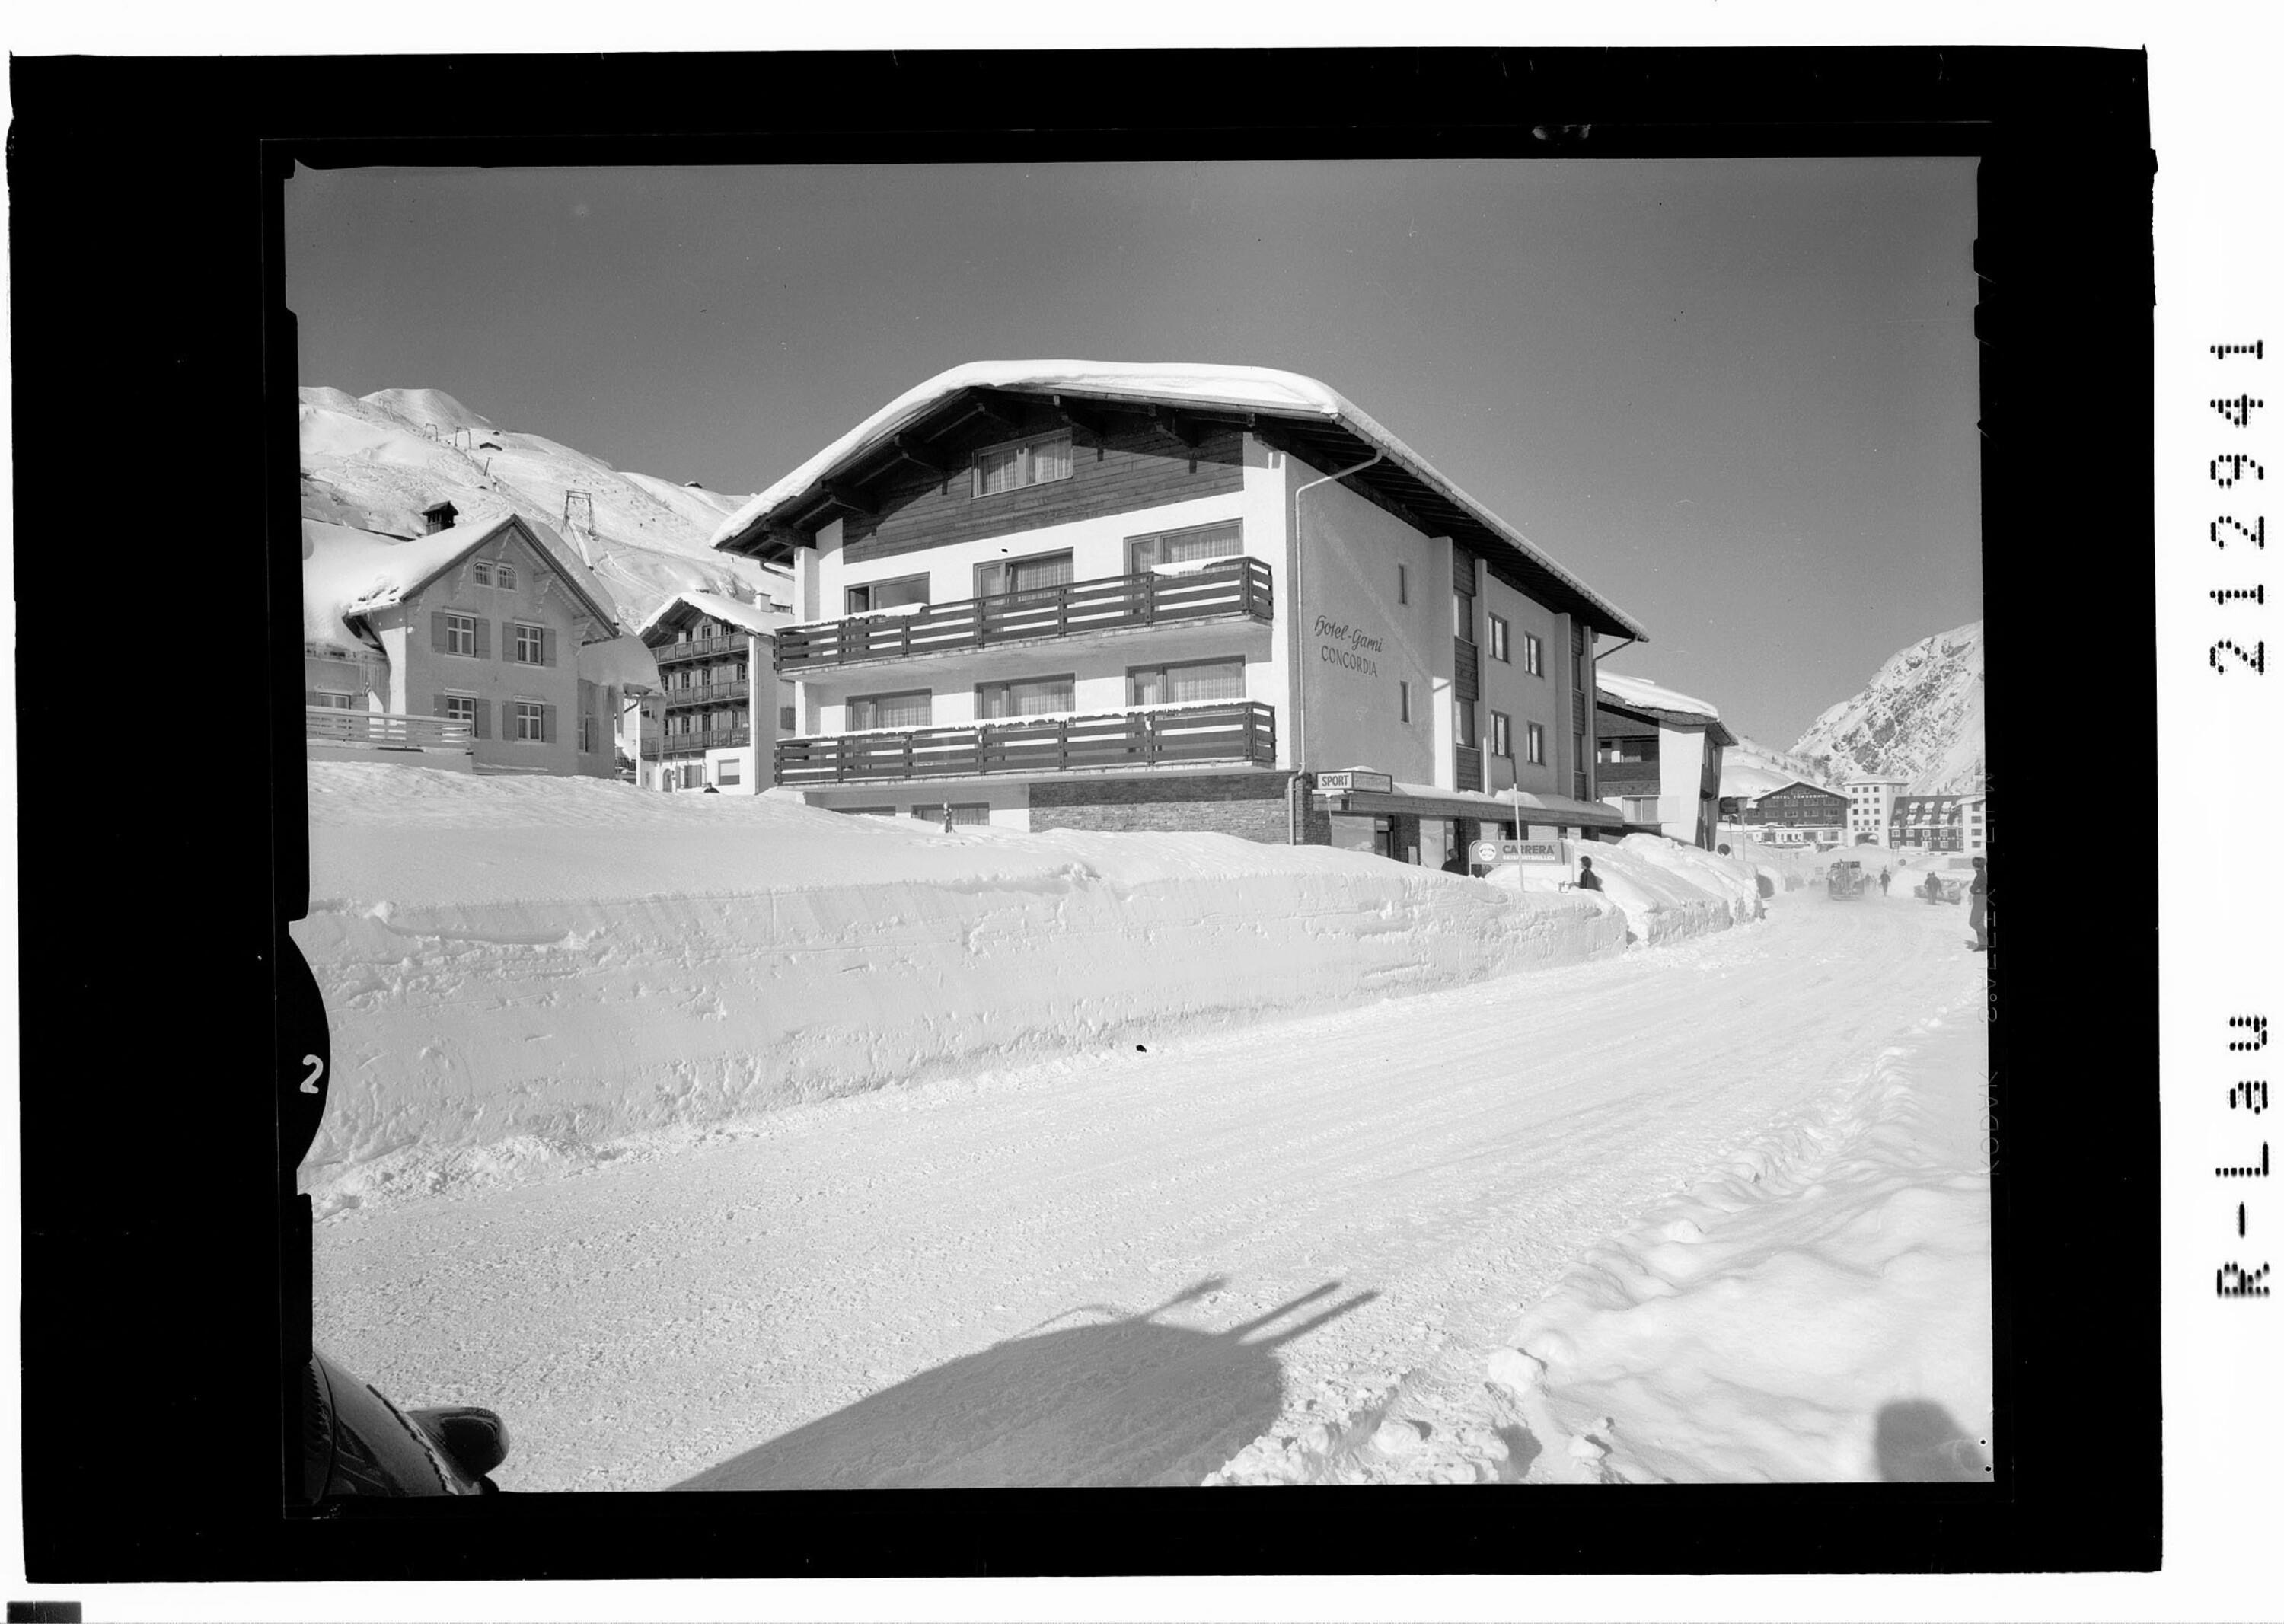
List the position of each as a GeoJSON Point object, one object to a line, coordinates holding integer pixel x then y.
{"type": "Point", "coordinates": [373, 462]}
{"type": "Point", "coordinates": [1920, 719]}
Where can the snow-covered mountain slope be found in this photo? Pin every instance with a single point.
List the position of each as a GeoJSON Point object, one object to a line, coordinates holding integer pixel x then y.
{"type": "Point", "coordinates": [1920, 718]}
{"type": "Point", "coordinates": [1750, 769]}
{"type": "Point", "coordinates": [372, 464]}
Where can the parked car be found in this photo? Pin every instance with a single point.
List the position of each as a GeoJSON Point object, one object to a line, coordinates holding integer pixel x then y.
{"type": "Point", "coordinates": [355, 1441]}
{"type": "Point", "coordinates": [1844, 880]}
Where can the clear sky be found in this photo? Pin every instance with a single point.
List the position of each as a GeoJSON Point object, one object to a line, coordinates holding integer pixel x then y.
{"type": "Point", "coordinates": [1737, 398]}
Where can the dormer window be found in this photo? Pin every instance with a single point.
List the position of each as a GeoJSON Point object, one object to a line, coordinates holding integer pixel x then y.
{"type": "Point", "coordinates": [1029, 462]}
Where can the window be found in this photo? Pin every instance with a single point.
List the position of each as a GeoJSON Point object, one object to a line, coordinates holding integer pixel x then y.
{"type": "Point", "coordinates": [459, 707]}
{"type": "Point", "coordinates": [528, 721]}
{"type": "Point", "coordinates": [890, 710]}
{"type": "Point", "coordinates": [326, 699]}
{"type": "Point", "coordinates": [1502, 736]}
{"type": "Point", "coordinates": [1463, 616]}
{"type": "Point", "coordinates": [460, 634]}
{"type": "Point", "coordinates": [1498, 639]}
{"type": "Point", "coordinates": [1638, 747]}
{"type": "Point", "coordinates": [1030, 462]}
{"type": "Point", "coordinates": [1047, 570]}
{"type": "Point", "coordinates": [730, 771]}
{"type": "Point", "coordinates": [530, 644]}
{"type": "Point", "coordinates": [1146, 552]}
{"type": "Point", "coordinates": [1402, 689]}
{"type": "Point", "coordinates": [1533, 655]}
{"type": "Point", "coordinates": [1198, 682]}
{"type": "Point", "coordinates": [963, 813]}
{"type": "Point", "coordinates": [586, 732]}
{"type": "Point", "coordinates": [785, 719]}
{"type": "Point", "coordinates": [506, 574]}
{"type": "Point", "coordinates": [1463, 717]}
{"type": "Point", "coordinates": [1534, 742]}
{"type": "Point", "coordinates": [1403, 585]}
{"type": "Point", "coordinates": [484, 572]}
{"type": "Point", "coordinates": [1640, 808]}
{"type": "Point", "coordinates": [1041, 696]}
{"type": "Point", "coordinates": [874, 596]}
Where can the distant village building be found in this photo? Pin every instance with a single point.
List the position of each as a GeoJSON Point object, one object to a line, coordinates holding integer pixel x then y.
{"type": "Point", "coordinates": [719, 707]}
{"type": "Point", "coordinates": [1658, 758]}
{"type": "Point", "coordinates": [1928, 823]}
{"type": "Point", "coordinates": [1101, 597]}
{"type": "Point", "coordinates": [461, 648]}
{"type": "Point", "coordinates": [1797, 813]}
{"type": "Point", "coordinates": [1871, 806]}
{"type": "Point", "coordinates": [1974, 824]}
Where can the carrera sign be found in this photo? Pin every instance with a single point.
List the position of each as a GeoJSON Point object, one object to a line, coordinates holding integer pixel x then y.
{"type": "Point", "coordinates": [1487, 853]}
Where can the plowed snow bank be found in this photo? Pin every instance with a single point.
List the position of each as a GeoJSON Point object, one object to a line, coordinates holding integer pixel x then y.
{"type": "Point", "coordinates": [520, 972]}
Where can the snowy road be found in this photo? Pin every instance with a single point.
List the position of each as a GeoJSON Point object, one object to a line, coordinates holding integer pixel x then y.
{"type": "Point", "coordinates": [1120, 1267]}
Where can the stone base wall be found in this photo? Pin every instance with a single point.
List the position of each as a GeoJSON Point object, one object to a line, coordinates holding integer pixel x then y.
{"type": "Point", "coordinates": [1250, 806]}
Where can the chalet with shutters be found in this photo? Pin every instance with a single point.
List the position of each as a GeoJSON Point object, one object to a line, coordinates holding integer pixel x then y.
{"type": "Point", "coordinates": [1658, 759]}
{"type": "Point", "coordinates": [714, 717]}
{"type": "Point", "coordinates": [467, 639]}
{"type": "Point", "coordinates": [1079, 595]}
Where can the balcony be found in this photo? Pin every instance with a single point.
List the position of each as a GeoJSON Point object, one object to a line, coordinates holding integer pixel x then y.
{"type": "Point", "coordinates": [711, 693]}
{"type": "Point", "coordinates": [699, 648]}
{"type": "Point", "coordinates": [381, 728]}
{"type": "Point", "coordinates": [1237, 731]}
{"type": "Point", "coordinates": [695, 744]}
{"type": "Point", "coordinates": [1232, 587]}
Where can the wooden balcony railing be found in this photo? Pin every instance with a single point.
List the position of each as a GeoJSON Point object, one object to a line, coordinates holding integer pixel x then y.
{"type": "Point", "coordinates": [699, 648]}
{"type": "Point", "coordinates": [1233, 587]}
{"type": "Point", "coordinates": [694, 743]}
{"type": "Point", "coordinates": [364, 727]}
{"type": "Point", "coordinates": [709, 693]}
{"type": "Point", "coordinates": [1234, 731]}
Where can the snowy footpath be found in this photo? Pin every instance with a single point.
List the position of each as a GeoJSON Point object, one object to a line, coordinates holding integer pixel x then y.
{"type": "Point", "coordinates": [1707, 1210]}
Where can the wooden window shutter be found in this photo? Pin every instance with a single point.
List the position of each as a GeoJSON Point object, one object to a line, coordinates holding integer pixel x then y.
{"type": "Point", "coordinates": [436, 630]}
{"type": "Point", "coordinates": [438, 709]}
{"type": "Point", "coordinates": [546, 646]}
{"type": "Point", "coordinates": [547, 724]}
{"type": "Point", "coordinates": [483, 639]}
{"type": "Point", "coordinates": [483, 718]}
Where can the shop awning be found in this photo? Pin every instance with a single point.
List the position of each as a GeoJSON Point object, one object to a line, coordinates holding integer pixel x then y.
{"type": "Point", "coordinates": [1427, 801]}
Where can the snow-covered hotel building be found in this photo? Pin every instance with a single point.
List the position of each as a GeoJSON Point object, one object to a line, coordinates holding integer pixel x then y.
{"type": "Point", "coordinates": [714, 716]}
{"type": "Point", "coordinates": [471, 648]}
{"type": "Point", "coordinates": [1871, 804]}
{"type": "Point", "coordinates": [1099, 596]}
{"type": "Point", "coordinates": [1658, 756]}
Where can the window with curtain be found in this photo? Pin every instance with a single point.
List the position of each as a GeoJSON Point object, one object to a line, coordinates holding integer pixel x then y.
{"type": "Point", "coordinates": [1000, 576]}
{"type": "Point", "coordinates": [1199, 683]}
{"type": "Point", "coordinates": [887, 594]}
{"type": "Point", "coordinates": [1184, 546]}
{"type": "Point", "coordinates": [1030, 462]}
{"type": "Point", "coordinates": [1043, 695]}
{"type": "Point", "coordinates": [890, 710]}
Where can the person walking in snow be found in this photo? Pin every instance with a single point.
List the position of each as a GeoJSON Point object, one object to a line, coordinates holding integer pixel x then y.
{"type": "Point", "coordinates": [1978, 911]}
{"type": "Point", "coordinates": [1588, 881]}
{"type": "Point", "coordinates": [1884, 882]}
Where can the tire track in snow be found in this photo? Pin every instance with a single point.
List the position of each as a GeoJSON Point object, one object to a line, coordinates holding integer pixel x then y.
{"type": "Point", "coordinates": [1450, 1153]}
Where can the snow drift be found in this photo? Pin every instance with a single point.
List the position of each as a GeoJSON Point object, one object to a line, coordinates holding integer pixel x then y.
{"type": "Point", "coordinates": [519, 971]}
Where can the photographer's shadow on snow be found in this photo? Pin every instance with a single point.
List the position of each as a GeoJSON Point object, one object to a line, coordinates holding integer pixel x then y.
{"type": "Point", "coordinates": [1918, 1441]}
{"type": "Point", "coordinates": [1127, 1402]}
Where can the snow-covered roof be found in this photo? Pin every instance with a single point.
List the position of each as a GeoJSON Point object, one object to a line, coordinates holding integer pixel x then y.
{"type": "Point", "coordinates": [762, 618]}
{"type": "Point", "coordinates": [1257, 390]}
{"type": "Point", "coordinates": [623, 662]}
{"type": "Point", "coordinates": [1643, 693]}
{"type": "Point", "coordinates": [364, 580]}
